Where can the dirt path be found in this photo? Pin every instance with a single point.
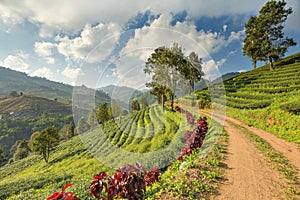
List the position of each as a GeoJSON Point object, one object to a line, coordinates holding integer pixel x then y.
{"type": "Point", "coordinates": [248, 176]}
{"type": "Point", "coordinates": [287, 149]}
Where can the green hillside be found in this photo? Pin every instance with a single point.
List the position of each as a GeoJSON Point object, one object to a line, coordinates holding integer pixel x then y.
{"type": "Point", "coordinates": [262, 98]}
{"type": "Point", "coordinates": [31, 106]}
{"type": "Point", "coordinates": [143, 131]}
{"type": "Point", "coordinates": [22, 115]}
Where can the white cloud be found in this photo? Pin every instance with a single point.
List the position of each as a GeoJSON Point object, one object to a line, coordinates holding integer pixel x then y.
{"type": "Point", "coordinates": [221, 62]}
{"type": "Point", "coordinates": [104, 35]}
{"type": "Point", "coordinates": [241, 70]}
{"type": "Point", "coordinates": [71, 15]}
{"type": "Point", "coordinates": [236, 36]}
{"type": "Point", "coordinates": [43, 48]}
{"type": "Point", "coordinates": [16, 62]}
{"type": "Point", "coordinates": [210, 69]}
{"type": "Point", "coordinates": [50, 60]}
{"type": "Point", "coordinates": [224, 27]}
{"type": "Point", "coordinates": [71, 73]}
{"type": "Point", "coordinates": [43, 72]}
{"type": "Point", "coordinates": [161, 33]}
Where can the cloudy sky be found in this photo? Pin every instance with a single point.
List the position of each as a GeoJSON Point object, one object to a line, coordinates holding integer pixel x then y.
{"type": "Point", "coordinates": [97, 43]}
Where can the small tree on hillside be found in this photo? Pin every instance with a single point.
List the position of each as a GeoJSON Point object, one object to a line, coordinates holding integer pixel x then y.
{"type": "Point", "coordinates": [45, 142]}
{"type": "Point", "coordinates": [67, 131]}
{"type": "Point", "coordinates": [20, 150]}
{"type": "Point", "coordinates": [135, 105]}
{"type": "Point", "coordinates": [102, 113]}
{"type": "Point", "coordinates": [3, 157]}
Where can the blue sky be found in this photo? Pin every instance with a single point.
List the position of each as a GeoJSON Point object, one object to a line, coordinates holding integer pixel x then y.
{"type": "Point", "coordinates": [97, 43]}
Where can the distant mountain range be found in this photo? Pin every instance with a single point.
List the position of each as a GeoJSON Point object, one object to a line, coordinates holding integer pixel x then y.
{"type": "Point", "coordinates": [11, 80]}
{"type": "Point", "coordinates": [20, 82]}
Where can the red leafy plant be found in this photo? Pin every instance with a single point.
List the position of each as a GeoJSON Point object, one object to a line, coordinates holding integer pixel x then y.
{"type": "Point", "coordinates": [194, 139]}
{"type": "Point", "coordinates": [63, 195]}
{"type": "Point", "coordinates": [128, 182]}
{"type": "Point", "coordinates": [189, 117]}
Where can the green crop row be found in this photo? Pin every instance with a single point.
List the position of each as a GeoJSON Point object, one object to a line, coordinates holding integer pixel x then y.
{"type": "Point", "coordinates": [271, 80]}
{"type": "Point", "coordinates": [241, 105]}
{"type": "Point", "coordinates": [273, 90]}
{"type": "Point", "coordinates": [285, 83]}
{"type": "Point", "coordinates": [292, 106]}
{"type": "Point", "coordinates": [247, 95]}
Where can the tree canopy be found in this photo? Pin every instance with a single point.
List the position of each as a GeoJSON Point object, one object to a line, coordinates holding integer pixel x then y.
{"type": "Point", "coordinates": [170, 68]}
{"type": "Point", "coordinates": [45, 142]}
{"type": "Point", "coordinates": [135, 105]}
{"type": "Point", "coordinates": [102, 113]}
{"type": "Point", "coordinates": [265, 39]}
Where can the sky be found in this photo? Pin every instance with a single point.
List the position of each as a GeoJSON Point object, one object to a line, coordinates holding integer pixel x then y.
{"type": "Point", "coordinates": [97, 43]}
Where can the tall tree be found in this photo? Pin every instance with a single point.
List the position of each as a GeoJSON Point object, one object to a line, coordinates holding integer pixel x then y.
{"type": "Point", "coordinates": [102, 113]}
{"type": "Point", "coordinates": [253, 41]}
{"type": "Point", "coordinates": [265, 39]}
{"type": "Point", "coordinates": [45, 142]}
{"type": "Point", "coordinates": [169, 66]}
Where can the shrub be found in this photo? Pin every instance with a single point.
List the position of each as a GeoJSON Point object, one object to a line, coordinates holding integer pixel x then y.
{"type": "Point", "coordinates": [129, 182]}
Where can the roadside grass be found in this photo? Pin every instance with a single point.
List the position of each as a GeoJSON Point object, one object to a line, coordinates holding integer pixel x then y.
{"type": "Point", "coordinates": [278, 161]}
{"type": "Point", "coordinates": [284, 125]}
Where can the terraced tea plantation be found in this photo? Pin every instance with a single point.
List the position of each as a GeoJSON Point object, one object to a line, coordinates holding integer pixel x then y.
{"type": "Point", "coordinates": [148, 136]}
{"type": "Point", "coordinates": [261, 87]}
{"type": "Point", "coordinates": [266, 99]}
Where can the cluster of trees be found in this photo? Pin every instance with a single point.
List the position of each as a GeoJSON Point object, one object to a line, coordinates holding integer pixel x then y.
{"type": "Point", "coordinates": [41, 142]}
{"type": "Point", "coordinates": [265, 39]}
{"type": "Point", "coordinates": [170, 68]}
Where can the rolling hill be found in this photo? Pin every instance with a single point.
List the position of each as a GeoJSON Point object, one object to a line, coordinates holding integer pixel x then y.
{"type": "Point", "coordinates": [11, 80]}
{"type": "Point", "coordinates": [262, 98]}
{"type": "Point", "coordinates": [31, 106]}
{"type": "Point", "coordinates": [22, 115]}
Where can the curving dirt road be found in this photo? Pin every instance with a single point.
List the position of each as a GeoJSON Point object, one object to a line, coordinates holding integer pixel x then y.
{"type": "Point", "coordinates": [287, 149]}
{"type": "Point", "coordinates": [249, 176]}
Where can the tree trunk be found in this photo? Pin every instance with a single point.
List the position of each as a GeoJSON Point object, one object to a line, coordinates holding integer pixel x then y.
{"type": "Point", "coordinates": [271, 64]}
{"type": "Point", "coordinates": [254, 64]}
{"type": "Point", "coordinates": [162, 102]}
{"type": "Point", "coordinates": [172, 103]}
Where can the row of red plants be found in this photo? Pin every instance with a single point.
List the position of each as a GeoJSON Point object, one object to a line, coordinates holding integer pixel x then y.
{"type": "Point", "coordinates": [194, 139]}
{"type": "Point", "coordinates": [189, 117]}
{"type": "Point", "coordinates": [130, 181]}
